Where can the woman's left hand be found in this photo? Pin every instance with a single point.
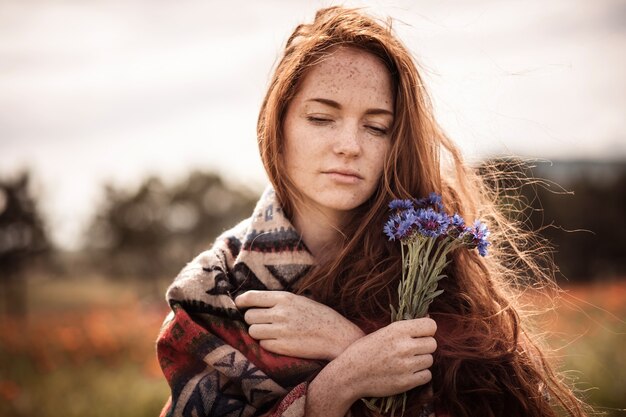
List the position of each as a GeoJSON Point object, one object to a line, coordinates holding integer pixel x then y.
{"type": "Point", "coordinates": [293, 325]}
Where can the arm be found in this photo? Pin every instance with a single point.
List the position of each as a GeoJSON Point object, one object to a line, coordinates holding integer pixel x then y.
{"type": "Point", "coordinates": [297, 326]}
{"type": "Point", "coordinates": [389, 361]}
{"type": "Point", "coordinates": [326, 396]}
{"type": "Point", "coordinates": [213, 367]}
{"type": "Point", "coordinates": [392, 360]}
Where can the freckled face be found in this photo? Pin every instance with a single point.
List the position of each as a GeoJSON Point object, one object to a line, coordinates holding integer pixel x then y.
{"type": "Point", "coordinates": [337, 130]}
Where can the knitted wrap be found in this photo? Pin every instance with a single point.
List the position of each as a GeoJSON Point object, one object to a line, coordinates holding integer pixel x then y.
{"type": "Point", "coordinates": [213, 366]}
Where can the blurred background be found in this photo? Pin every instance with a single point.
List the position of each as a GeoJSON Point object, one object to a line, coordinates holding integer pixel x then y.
{"type": "Point", "coordinates": [127, 143]}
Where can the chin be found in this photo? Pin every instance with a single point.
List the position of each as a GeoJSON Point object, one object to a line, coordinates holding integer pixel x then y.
{"type": "Point", "coordinates": [342, 203]}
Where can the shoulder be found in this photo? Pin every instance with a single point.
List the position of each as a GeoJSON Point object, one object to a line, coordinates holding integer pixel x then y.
{"type": "Point", "coordinates": [198, 283]}
{"type": "Point", "coordinates": [263, 252]}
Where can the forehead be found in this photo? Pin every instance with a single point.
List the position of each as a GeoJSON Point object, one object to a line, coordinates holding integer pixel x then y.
{"type": "Point", "coordinates": [348, 71]}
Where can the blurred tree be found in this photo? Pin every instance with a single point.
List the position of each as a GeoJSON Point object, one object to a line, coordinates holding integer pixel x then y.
{"type": "Point", "coordinates": [152, 232]}
{"type": "Point", "coordinates": [23, 240]}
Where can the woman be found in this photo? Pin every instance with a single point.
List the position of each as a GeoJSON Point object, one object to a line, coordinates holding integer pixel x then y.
{"type": "Point", "coordinates": [288, 313]}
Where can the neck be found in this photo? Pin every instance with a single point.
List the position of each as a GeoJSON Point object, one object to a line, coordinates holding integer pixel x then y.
{"type": "Point", "coordinates": [319, 229]}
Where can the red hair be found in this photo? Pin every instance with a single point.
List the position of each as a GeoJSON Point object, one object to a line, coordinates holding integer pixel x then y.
{"type": "Point", "coordinates": [486, 363]}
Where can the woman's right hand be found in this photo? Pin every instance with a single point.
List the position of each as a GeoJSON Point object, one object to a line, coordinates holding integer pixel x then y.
{"type": "Point", "coordinates": [388, 361]}
{"type": "Point", "coordinates": [391, 360]}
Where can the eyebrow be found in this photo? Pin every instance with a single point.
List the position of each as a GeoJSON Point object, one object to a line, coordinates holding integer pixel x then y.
{"type": "Point", "coordinates": [336, 105]}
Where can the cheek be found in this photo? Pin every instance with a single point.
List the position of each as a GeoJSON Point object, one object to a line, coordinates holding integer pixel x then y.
{"type": "Point", "coordinates": [379, 155]}
{"type": "Point", "coordinates": [292, 146]}
{"type": "Point", "coordinates": [295, 154]}
{"type": "Point", "coordinates": [302, 145]}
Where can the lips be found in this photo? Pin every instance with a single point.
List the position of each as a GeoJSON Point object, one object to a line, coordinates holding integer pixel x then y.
{"type": "Point", "coordinates": [346, 172]}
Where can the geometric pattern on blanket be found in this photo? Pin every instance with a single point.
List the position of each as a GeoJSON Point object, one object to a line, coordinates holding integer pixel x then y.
{"type": "Point", "coordinates": [213, 366]}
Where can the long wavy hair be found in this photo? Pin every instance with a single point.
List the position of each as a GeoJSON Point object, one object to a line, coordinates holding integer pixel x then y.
{"type": "Point", "coordinates": [487, 362]}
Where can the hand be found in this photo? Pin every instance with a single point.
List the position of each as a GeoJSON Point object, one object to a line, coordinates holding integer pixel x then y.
{"type": "Point", "coordinates": [389, 361]}
{"type": "Point", "coordinates": [293, 325]}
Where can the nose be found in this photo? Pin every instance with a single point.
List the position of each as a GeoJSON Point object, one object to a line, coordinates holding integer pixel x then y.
{"type": "Point", "coordinates": [347, 141]}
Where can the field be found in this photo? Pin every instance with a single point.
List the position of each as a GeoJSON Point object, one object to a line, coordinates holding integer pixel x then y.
{"type": "Point", "coordinates": [86, 348]}
{"type": "Point", "coordinates": [587, 327]}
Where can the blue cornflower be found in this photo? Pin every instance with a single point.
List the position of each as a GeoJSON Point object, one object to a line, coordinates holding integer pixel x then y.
{"type": "Point", "coordinates": [400, 225]}
{"type": "Point", "coordinates": [457, 226]}
{"type": "Point", "coordinates": [390, 229]}
{"type": "Point", "coordinates": [433, 200]}
{"type": "Point", "coordinates": [401, 204]}
{"type": "Point", "coordinates": [430, 223]}
{"type": "Point", "coordinates": [457, 221]}
{"type": "Point", "coordinates": [409, 221]}
{"type": "Point", "coordinates": [479, 234]}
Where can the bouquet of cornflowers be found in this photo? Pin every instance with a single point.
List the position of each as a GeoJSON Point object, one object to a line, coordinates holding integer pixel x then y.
{"type": "Point", "coordinates": [427, 235]}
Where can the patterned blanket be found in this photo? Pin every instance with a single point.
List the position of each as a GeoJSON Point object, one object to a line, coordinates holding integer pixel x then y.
{"type": "Point", "coordinates": [213, 366]}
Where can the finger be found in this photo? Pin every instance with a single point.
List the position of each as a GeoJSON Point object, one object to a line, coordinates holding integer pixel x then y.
{"type": "Point", "coordinates": [262, 331]}
{"type": "Point", "coordinates": [271, 345]}
{"type": "Point", "coordinates": [258, 316]}
{"type": "Point", "coordinates": [424, 345]}
{"type": "Point", "coordinates": [422, 362]}
{"type": "Point", "coordinates": [421, 377]}
{"type": "Point", "coordinates": [255, 298]}
{"type": "Point", "coordinates": [422, 327]}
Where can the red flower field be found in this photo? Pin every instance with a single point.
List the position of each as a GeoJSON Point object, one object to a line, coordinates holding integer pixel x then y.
{"type": "Point", "coordinates": [96, 356]}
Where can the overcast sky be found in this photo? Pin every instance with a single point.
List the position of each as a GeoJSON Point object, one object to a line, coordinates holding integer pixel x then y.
{"type": "Point", "coordinates": [112, 91]}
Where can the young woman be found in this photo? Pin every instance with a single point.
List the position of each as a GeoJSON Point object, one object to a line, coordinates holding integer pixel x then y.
{"type": "Point", "coordinates": [288, 313]}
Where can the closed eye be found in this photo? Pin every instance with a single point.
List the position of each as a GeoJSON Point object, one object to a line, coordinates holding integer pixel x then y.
{"type": "Point", "coordinates": [318, 120]}
{"type": "Point", "coordinates": [377, 130]}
